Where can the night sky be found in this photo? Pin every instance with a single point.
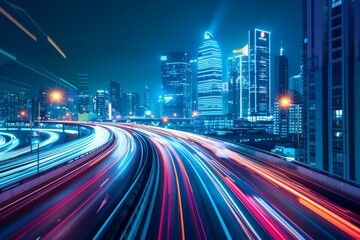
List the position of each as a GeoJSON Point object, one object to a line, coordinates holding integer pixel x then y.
{"type": "Point", "coordinates": [123, 40]}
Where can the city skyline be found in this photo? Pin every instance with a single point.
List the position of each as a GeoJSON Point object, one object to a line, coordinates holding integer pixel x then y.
{"type": "Point", "coordinates": [193, 119]}
{"type": "Point", "coordinates": [89, 51]}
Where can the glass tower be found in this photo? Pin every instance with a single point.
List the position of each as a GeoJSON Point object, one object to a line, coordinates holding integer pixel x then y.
{"type": "Point", "coordinates": [331, 86]}
{"type": "Point", "coordinates": [176, 80]}
{"type": "Point", "coordinates": [238, 76]}
{"type": "Point", "coordinates": [209, 77]}
{"type": "Point", "coordinates": [259, 75]}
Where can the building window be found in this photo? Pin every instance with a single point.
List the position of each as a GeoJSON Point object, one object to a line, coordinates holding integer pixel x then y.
{"type": "Point", "coordinates": [337, 113]}
{"type": "Point", "coordinates": [338, 164]}
{"type": "Point", "coordinates": [338, 134]}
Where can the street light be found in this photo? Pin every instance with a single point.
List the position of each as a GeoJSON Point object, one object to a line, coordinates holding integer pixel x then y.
{"type": "Point", "coordinates": [285, 102]}
{"type": "Point", "coordinates": [55, 95]}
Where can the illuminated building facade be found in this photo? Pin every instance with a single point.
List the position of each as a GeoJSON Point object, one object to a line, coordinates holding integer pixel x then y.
{"type": "Point", "coordinates": [102, 102]}
{"type": "Point", "coordinates": [259, 75]}
{"type": "Point", "coordinates": [115, 97]}
{"type": "Point", "coordinates": [177, 84]}
{"type": "Point", "coordinates": [209, 77]}
{"type": "Point", "coordinates": [331, 50]}
{"type": "Point", "coordinates": [238, 77]}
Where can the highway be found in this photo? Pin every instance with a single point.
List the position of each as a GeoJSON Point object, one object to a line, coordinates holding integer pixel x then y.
{"type": "Point", "coordinates": [15, 169]}
{"type": "Point", "coordinates": [156, 183]}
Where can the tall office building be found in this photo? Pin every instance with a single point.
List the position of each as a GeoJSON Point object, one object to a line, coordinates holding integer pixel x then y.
{"type": "Point", "coordinates": [281, 75]}
{"type": "Point", "coordinates": [332, 86]}
{"type": "Point", "coordinates": [102, 102]}
{"type": "Point", "coordinates": [209, 77]}
{"type": "Point", "coordinates": [194, 72]}
{"type": "Point", "coordinates": [11, 107]}
{"type": "Point", "coordinates": [84, 99]}
{"type": "Point", "coordinates": [259, 75]}
{"type": "Point", "coordinates": [83, 84]}
{"type": "Point", "coordinates": [131, 104]}
{"type": "Point", "coordinates": [115, 97]}
{"type": "Point", "coordinates": [225, 98]}
{"type": "Point", "coordinates": [176, 81]}
{"type": "Point", "coordinates": [147, 101]}
{"type": "Point", "coordinates": [281, 114]}
{"type": "Point", "coordinates": [238, 77]}
{"type": "Point", "coordinates": [296, 83]}
{"type": "Point", "coordinates": [2, 108]}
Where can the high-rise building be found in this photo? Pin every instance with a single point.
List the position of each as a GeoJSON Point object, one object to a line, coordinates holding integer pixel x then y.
{"type": "Point", "coordinates": [225, 98]}
{"type": "Point", "coordinates": [131, 104]}
{"type": "Point", "coordinates": [194, 72]}
{"type": "Point", "coordinates": [2, 108]}
{"type": "Point", "coordinates": [209, 77]}
{"type": "Point", "coordinates": [176, 81]}
{"type": "Point", "coordinates": [11, 107]}
{"type": "Point", "coordinates": [147, 101]}
{"type": "Point", "coordinates": [281, 114]}
{"type": "Point", "coordinates": [83, 84]}
{"type": "Point", "coordinates": [296, 83]}
{"type": "Point", "coordinates": [84, 99]}
{"type": "Point", "coordinates": [238, 77]}
{"type": "Point", "coordinates": [115, 97]}
{"type": "Point", "coordinates": [281, 75]}
{"type": "Point", "coordinates": [331, 44]}
{"type": "Point", "coordinates": [259, 75]}
{"type": "Point", "coordinates": [102, 102]}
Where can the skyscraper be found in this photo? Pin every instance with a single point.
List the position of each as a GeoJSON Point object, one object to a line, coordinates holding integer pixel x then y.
{"type": "Point", "coordinates": [83, 84]}
{"type": "Point", "coordinates": [238, 76]}
{"type": "Point", "coordinates": [259, 75]}
{"type": "Point", "coordinates": [84, 100]}
{"type": "Point", "coordinates": [209, 77]}
{"type": "Point", "coordinates": [115, 97]}
{"type": "Point", "coordinates": [281, 114]}
{"type": "Point", "coordinates": [176, 81]}
{"type": "Point", "coordinates": [331, 44]}
{"type": "Point", "coordinates": [281, 75]}
{"type": "Point", "coordinates": [131, 104]}
{"type": "Point", "coordinates": [102, 100]}
{"type": "Point", "coordinates": [147, 101]}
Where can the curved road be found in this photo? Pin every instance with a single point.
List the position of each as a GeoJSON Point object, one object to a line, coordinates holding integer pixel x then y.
{"type": "Point", "coordinates": [158, 183]}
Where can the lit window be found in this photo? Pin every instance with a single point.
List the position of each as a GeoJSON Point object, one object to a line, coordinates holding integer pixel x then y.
{"type": "Point", "coordinates": [337, 113]}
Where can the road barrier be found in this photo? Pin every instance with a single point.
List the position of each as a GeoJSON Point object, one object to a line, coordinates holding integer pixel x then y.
{"type": "Point", "coordinates": [324, 178]}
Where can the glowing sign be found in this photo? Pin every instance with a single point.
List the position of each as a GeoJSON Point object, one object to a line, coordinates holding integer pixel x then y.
{"type": "Point", "coordinates": [163, 58]}
{"type": "Point", "coordinates": [262, 34]}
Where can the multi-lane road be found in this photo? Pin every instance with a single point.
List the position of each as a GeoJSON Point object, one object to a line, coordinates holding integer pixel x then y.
{"type": "Point", "coordinates": [155, 183]}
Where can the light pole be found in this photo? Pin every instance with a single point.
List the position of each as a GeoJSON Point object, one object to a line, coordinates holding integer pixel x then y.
{"type": "Point", "coordinates": [55, 95]}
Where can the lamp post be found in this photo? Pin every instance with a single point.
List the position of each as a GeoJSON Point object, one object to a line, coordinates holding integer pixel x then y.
{"type": "Point", "coordinates": [285, 102]}
{"type": "Point", "coordinates": [54, 95]}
